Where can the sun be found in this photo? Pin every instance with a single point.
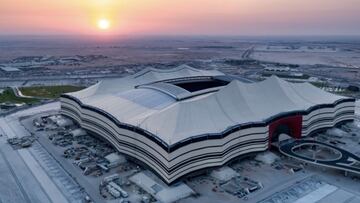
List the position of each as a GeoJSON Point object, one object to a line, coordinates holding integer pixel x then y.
{"type": "Point", "coordinates": [103, 24]}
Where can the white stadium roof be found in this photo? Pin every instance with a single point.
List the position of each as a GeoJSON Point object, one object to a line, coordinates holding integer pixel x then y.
{"type": "Point", "coordinates": [173, 120]}
{"type": "Point", "coordinates": [146, 76]}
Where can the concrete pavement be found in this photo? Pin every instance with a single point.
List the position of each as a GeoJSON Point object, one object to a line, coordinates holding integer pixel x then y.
{"type": "Point", "coordinates": [29, 182]}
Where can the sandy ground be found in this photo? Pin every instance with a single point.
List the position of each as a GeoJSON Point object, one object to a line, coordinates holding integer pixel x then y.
{"type": "Point", "coordinates": [341, 59]}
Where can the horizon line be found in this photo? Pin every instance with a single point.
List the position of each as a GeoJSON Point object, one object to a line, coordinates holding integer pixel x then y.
{"type": "Point", "coordinates": [179, 35]}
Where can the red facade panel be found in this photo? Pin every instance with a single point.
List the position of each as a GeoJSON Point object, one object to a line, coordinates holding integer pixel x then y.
{"type": "Point", "coordinates": [294, 124]}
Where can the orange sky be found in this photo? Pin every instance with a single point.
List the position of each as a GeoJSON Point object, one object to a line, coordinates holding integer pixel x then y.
{"type": "Point", "coordinates": [182, 17]}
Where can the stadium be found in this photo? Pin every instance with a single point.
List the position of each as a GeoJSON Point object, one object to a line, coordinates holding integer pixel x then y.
{"type": "Point", "coordinates": [181, 120]}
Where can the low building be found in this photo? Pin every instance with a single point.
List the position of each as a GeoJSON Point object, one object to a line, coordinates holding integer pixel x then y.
{"type": "Point", "coordinates": [114, 159]}
{"type": "Point", "coordinates": [78, 132]}
{"type": "Point", "coordinates": [61, 121]}
{"type": "Point", "coordinates": [277, 69]}
{"type": "Point", "coordinates": [9, 69]}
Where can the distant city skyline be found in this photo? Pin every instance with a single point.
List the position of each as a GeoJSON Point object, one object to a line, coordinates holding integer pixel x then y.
{"type": "Point", "coordinates": [180, 17]}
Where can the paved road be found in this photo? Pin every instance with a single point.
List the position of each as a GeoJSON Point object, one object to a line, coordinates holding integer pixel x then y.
{"type": "Point", "coordinates": [22, 196]}
{"type": "Point", "coordinates": [247, 53]}
{"type": "Point", "coordinates": [17, 182]}
{"type": "Point", "coordinates": [31, 179]}
{"type": "Point", "coordinates": [40, 175]}
{"type": "Point", "coordinates": [18, 93]}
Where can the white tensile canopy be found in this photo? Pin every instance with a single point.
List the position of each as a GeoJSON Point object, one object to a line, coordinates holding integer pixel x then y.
{"type": "Point", "coordinates": [173, 121]}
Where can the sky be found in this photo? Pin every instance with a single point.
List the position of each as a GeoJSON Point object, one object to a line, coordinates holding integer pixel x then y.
{"type": "Point", "coordinates": [180, 17]}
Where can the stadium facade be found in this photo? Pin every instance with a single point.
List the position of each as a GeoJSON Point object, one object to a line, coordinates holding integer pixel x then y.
{"type": "Point", "coordinates": [182, 120]}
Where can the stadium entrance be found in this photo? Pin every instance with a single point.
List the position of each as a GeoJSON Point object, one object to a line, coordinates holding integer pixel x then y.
{"type": "Point", "coordinates": [291, 126]}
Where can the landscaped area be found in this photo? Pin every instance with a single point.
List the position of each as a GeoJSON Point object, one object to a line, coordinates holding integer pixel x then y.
{"type": "Point", "coordinates": [49, 92]}
{"type": "Point", "coordinates": [8, 96]}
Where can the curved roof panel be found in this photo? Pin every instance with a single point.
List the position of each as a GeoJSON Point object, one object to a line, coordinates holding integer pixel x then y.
{"type": "Point", "coordinates": [173, 121]}
{"type": "Point", "coordinates": [146, 76]}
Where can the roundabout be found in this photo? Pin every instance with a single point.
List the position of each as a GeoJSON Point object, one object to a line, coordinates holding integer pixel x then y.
{"type": "Point", "coordinates": [320, 153]}
{"type": "Point", "coordinates": [317, 152]}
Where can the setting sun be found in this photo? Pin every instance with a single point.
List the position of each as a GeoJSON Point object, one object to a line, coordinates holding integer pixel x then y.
{"type": "Point", "coordinates": [103, 24]}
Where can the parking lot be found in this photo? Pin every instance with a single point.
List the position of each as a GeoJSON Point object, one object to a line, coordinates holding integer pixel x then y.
{"type": "Point", "coordinates": [88, 160]}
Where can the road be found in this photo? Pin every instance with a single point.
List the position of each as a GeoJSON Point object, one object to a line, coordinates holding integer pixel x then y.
{"type": "Point", "coordinates": [38, 172]}
{"type": "Point", "coordinates": [13, 174]}
{"type": "Point", "coordinates": [247, 53]}
{"type": "Point", "coordinates": [17, 182]}
{"type": "Point", "coordinates": [18, 93]}
{"type": "Point", "coordinates": [31, 179]}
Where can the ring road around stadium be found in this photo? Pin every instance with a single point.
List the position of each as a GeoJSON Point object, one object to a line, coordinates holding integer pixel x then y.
{"type": "Point", "coordinates": [182, 120]}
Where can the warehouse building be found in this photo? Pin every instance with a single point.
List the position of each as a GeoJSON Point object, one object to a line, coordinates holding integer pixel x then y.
{"type": "Point", "coordinates": [182, 120]}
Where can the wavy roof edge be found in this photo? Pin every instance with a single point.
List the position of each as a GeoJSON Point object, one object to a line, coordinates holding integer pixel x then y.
{"type": "Point", "coordinates": [146, 76]}
{"type": "Point", "coordinates": [235, 104]}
